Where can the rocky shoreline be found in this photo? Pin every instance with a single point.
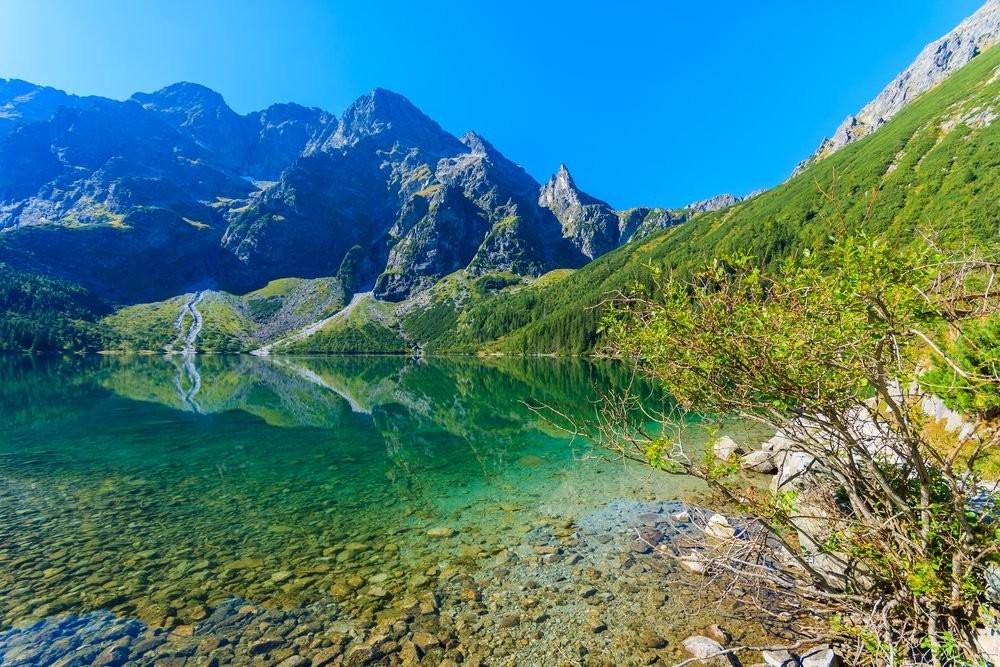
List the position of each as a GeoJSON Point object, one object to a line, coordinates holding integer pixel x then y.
{"type": "Point", "coordinates": [595, 591]}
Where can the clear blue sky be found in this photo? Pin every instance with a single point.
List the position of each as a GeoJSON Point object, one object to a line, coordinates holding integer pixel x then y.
{"type": "Point", "coordinates": [657, 102]}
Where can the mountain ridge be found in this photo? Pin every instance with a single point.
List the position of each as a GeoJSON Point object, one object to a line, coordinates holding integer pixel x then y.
{"type": "Point", "coordinates": [933, 64]}
{"type": "Point", "coordinates": [173, 190]}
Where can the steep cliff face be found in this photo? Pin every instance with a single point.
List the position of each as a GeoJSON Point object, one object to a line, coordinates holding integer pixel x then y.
{"type": "Point", "coordinates": [172, 191]}
{"type": "Point", "coordinates": [936, 62]}
{"type": "Point", "coordinates": [354, 187]}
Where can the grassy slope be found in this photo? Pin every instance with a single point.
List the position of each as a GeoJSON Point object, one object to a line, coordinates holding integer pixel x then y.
{"type": "Point", "coordinates": [144, 327]}
{"type": "Point", "coordinates": [929, 167]}
{"type": "Point", "coordinates": [458, 315]}
{"type": "Point", "coordinates": [371, 327]}
{"type": "Point", "coordinates": [231, 323]}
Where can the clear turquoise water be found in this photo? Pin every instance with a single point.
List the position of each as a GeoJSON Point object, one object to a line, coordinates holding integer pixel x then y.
{"type": "Point", "coordinates": [157, 488]}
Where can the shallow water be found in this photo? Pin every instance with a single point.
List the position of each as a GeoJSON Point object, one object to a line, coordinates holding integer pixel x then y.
{"type": "Point", "coordinates": [158, 488]}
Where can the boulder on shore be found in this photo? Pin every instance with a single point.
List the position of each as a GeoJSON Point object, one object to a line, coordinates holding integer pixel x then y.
{"type": "Point", "coordinates": [718, 527]}
{"type": "Point", "coordinates": [709, 651]}
{"type": "Point", "coordinates": [725, 447]}
{"type": "Point", "coordinates": [760, 461]}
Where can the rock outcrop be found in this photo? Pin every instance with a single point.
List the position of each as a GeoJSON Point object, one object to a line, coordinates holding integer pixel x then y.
{"type": "Point", "coordinates": [172, 190]}
{"type": "Point", "coordinates": [591, 224]}
{"type": "Point", "coordinates": [716, 203]}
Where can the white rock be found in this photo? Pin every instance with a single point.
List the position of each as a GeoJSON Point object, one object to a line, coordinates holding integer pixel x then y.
{"type": "Point", "coordinates": [820, 656]}
{"type": "Point", "coordinates": [719, 528]}
{"type": "Point", "coordinates": [693, 562]}
{"type": "Point", "coordinates": [760, 461]}
{"type": "Point", "coordinates": [681, 517]}
{"type": "Point", "coordinates": [725, 447]}
{"type": "Point", "coordinates": [791, 466]}
{"type": "Point", "coordinates": [935, 408]}
{"type": "Point", "coordinates": [779, 442]}
{"type": "Point", "coordinates": [703, 647]}
{"type": "Point", "coordinates": [988, 640]}
{"type": "Point", "coordinates": [778, 658]}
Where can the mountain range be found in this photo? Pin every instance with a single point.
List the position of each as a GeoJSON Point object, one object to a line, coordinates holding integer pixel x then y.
{"type": "Point", "coordinates": [143, 199]}
{"type": "Point", "coordinates": [170, 222]}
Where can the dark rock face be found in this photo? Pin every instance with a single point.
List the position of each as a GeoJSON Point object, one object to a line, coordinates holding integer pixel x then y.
{"type": "Point", "coordinates": [173, 190]}
{"type": "Point", "coordinates": [443, 240]}
{"type": "Point", "coordinates": [259, 145]}
{"type": "Point", "coordinates": [22, 102]}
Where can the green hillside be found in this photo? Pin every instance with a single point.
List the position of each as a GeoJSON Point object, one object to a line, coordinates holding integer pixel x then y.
{"type": "Point", "coordinates": [936, 165]}
{"type": "Point", "coordinates": [232, 323]}
{"type": "Point", "coordinates": [41, 314]}
{"type": "Point", "coordinates": [370, 327]}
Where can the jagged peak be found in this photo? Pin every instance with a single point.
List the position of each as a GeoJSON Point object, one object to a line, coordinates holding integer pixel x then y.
{"type": "Point", "coordinates": [561, 191]}
{"type": "Point", "coordinates": [382, 104]}
{"type": "Point", "coordinates": [480, 147]}
{"type": "Point", "coordinates": [562, 181]}
{"type": "Point", "coordinates": [476, 144]}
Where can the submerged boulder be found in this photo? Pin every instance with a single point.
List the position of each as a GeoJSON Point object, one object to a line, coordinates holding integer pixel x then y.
{"type": "Point", "coordinates": [719, 528]}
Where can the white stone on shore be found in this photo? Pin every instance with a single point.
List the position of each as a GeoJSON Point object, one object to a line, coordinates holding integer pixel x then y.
{"type": "Point", "coordinates": [760, 461]}
{"type": "Point", "coordinates": [719, 528]}
{"type": "Point", "coordinates": [725, 447]}
{"type": "Point", "coordinates": [703, 647]}
{"type": "Point", "coordinates": [778, 658]}
{"type": "Point", "coordinates": [819, 656]}
{"type": "Point", "coordinates": [791, 468]}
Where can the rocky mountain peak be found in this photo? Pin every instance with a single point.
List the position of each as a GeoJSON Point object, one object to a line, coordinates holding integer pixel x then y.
{"type": "Point", "coordinates": [591, 224]}
{"type": "Point", "coordinates": [477, 145]}
{"type": "Point", "coordinates": [23, 102]}
{"type": "Point", "coordinates": [563, 177]}
{"type": "Point", "coordinates": [389, 114]}
{"type": "Point", "coordinates": [560, 192]}
{"type": "Point", "coordinates": [13, 89]}
{"type": "Point", "coordinates": [201, 114]}
{"type": "Point", "coordinates": [184, 98]}
{"type": "Point", "coordinates": [934, 63]}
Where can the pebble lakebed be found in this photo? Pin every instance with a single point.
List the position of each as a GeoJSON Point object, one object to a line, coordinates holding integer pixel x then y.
{"type": "Point", "coordinates": [585, 592]}
{"type": "Point", "coordinates": [441, 522]}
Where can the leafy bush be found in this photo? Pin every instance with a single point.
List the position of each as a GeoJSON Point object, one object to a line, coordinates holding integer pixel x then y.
{"type": "Point", "coordinates": [826, 349]}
